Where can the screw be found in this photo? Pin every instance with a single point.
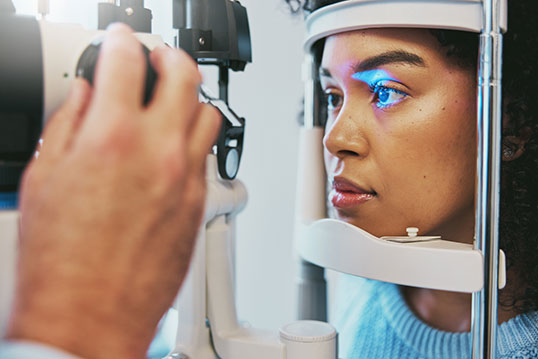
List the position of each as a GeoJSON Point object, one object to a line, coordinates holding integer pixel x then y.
{"type": "Point", "coordinates": [129, 11]}
{"type": "Point", "coordinates": [412, 231]}
{"type": "Point", "coordinates": [201, 41]}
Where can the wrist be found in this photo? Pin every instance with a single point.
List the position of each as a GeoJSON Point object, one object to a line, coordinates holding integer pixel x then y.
{"type": "Point", "coordinates": [83, 328]}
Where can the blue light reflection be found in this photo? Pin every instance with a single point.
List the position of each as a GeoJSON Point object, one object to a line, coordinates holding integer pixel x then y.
{"type": "Point", "coordinates": [371, 77]}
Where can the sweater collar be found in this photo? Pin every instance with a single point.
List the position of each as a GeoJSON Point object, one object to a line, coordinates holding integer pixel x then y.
{"type": "Point", "coordinates": [429, 342]}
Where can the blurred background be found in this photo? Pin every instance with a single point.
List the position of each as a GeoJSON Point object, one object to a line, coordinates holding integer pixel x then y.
{"type": "Point", "coordinates": [269, 95]}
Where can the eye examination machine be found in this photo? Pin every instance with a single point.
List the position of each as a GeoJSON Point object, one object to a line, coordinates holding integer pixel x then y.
{"type": "Point", "coordinates": [216, 33]}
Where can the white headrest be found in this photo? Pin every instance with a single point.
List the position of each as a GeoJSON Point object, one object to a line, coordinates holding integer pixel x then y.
{"type": "Point", "coordinates": [465, 15]}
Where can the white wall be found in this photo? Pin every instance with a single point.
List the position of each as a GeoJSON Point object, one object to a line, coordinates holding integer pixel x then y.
{"type": "Point", "coordinates": [268, 94]}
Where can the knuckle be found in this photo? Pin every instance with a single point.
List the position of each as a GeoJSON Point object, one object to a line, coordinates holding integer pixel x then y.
{"type": "Point", "coordinates": [172, 165]}
{"type": "Point", "coordinates": [185, 67]}
{"type": "Point", "coordinates": [131, 54]}
{"type": "Point", "coordinates": [189, 80]}
{"type": "Point", "coordinates": [120, 136]}
{"type": "Point", "coordinates": [188, 63]}
{"type": "Point", "coordinates": [123, 47]}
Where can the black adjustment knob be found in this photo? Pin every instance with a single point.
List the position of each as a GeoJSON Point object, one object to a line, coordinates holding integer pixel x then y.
{"type": "Point", "coordinates": [88, 60]}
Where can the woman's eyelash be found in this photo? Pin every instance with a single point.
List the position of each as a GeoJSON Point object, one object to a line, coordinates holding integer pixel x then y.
{"type": "Point", "coordinates": [329, 98]}
{"type": "Point", "coordinates": [385, 96]}
{"type": "Point", "coordinates": [374, 87]}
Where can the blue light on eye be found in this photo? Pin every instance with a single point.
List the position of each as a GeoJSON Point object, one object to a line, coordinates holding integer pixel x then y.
{"type": "Point", "coordinates": [386, 96]}
{"type": "Point", "coordinates": [383, 95]}
{"type": "Point", "coordinates": [370, 77]}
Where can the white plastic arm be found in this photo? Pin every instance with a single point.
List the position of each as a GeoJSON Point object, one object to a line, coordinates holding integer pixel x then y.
{"type": "Point", "coordinates": [428, 264]}
{"type": "Point", "coordinates": [230, 340]}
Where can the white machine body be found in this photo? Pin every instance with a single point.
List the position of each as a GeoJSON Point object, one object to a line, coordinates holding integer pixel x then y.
{"type": "Point", "coordinates": [426, 263]}
{"type": "Point", "coordinates": [62, 45]}
{"type": "Point", "coordinates": [208, 324]}
{"type": "Point", "coordinates": [464, 15]}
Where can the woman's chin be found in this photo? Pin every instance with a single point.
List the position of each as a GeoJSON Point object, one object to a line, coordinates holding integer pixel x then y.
{"type": "Point", "coordinates": [378, 227]}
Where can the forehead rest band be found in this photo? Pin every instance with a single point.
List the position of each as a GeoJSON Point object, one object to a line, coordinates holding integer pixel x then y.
{"type": "Point", "coordinates": [464, 15]}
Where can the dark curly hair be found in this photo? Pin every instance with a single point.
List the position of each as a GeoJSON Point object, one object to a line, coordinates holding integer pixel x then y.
{"type": "Point", "coordinates": [519, 181]}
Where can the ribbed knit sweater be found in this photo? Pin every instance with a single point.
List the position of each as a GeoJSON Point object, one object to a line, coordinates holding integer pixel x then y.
{"type": "Point", "coordinates": [374, 322]}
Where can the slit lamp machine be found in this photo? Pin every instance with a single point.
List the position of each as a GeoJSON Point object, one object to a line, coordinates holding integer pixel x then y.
{"type": "Point", "coordinates": [35, 79]}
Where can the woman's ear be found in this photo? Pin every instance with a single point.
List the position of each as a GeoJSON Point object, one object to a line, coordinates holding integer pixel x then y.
{"type": "Point", "coordinates": [514, 146]}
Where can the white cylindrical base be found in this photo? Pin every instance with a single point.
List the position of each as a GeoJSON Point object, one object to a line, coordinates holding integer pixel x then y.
{"type": "Point", "coordinates": [309, 339]}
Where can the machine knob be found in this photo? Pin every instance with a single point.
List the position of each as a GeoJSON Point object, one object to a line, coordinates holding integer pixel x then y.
{"type": "Point", "coordinates": [88, 60]}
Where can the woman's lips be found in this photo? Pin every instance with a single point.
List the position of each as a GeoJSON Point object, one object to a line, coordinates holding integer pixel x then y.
{"type": "Point", "coordinates": [346, 194]}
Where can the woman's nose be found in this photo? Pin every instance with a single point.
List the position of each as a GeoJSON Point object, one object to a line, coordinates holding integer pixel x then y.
{"type": "Point", "coordinates": [345, 137]}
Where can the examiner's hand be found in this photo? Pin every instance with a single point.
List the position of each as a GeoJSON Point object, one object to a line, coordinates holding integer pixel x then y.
{"type": "Point", "coordinates": [111, 207]}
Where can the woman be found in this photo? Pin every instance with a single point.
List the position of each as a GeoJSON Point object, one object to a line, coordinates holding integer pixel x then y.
{"type": "Point", "coordinates": [400, 150]}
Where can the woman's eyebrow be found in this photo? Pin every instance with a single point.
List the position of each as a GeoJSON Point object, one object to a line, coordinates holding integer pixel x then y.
{"type": "Point", "coordinates": [386, 58]}
{"type": "Point", "coordinates": [389, 57]}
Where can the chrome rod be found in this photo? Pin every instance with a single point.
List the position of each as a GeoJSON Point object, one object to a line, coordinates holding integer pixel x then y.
{"type": "Point", "coordinates": [309, 95]}
{"type": "Point", "coordinates": [311, 286]}
{"type": "Point", "coordinates": [312, 292]}
{"type": "Point", "coordinates": [311, 98]}
{"type": "Point", "coordinates": [489, 117]}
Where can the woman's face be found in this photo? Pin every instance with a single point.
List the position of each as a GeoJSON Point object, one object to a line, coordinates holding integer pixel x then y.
{"type": "Point", "coordinates": [400, 147]}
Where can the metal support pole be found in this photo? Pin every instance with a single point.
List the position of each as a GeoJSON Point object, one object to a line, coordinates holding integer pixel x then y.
{"type": "Point", "coordinates": [312, 292]}
{"type": "Point", "coordinates": [489, 112]}
{"type": "Point", "coordinates": [312, 106]}
{"type": "Point", "coordinates": [311, 286]}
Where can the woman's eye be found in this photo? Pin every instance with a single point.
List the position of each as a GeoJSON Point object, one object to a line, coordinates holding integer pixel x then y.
{"type": "Point", "coordinates": [387, 96]}
{"type": "Point", "coordinates": [333, 100]}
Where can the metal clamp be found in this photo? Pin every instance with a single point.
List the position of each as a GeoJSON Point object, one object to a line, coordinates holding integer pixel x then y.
{"type": "Point", "coordinates": [229, 146]}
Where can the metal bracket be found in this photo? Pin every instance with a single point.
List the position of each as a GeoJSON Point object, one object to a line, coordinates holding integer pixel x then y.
{"type": "Point", "coordinates": [230, 141]}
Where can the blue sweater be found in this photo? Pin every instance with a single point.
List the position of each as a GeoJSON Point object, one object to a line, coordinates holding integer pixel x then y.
{"type": "Point", "coordinates": [374, 322]}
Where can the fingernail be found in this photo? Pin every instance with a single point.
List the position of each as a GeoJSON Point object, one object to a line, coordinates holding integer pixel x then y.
{"type": "Point", "coordinates": [118, 26]}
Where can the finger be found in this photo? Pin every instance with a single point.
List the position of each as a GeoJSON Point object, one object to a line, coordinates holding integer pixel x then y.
{"type": "Point", "coordinates": [120, 71]}
{"type": "Point", "coordinates": [62, 126]}
{"type": "Point", "coordinates": [203, 136]}
{"type": "Point", "coordinates": [176, 93]}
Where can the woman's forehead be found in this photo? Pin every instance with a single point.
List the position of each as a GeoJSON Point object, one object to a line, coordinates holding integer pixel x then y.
{"type": "Point", "coordinates": [374, 39]}
{"type": "Point", "coordinates": [382, 46]}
